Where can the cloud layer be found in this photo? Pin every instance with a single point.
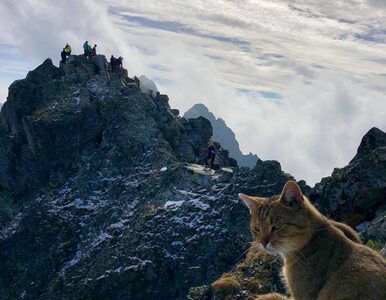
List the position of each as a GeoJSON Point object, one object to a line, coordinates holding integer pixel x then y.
{"type": "Point", "coordinates": [299, 81]}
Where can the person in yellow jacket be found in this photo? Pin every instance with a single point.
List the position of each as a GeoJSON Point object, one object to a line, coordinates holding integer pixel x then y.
{"type": "Point", "coordinates": [67, 49]}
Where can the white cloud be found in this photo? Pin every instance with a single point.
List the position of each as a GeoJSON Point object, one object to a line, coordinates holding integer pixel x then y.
{"type": "Point", "coordinates": [325, 58]}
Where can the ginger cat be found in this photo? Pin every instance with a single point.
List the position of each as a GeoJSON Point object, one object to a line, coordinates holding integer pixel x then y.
{"type": "Point", "coordinates": [323, 259]}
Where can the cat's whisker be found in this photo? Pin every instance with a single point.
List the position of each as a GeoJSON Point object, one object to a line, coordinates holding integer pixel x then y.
{"type": "Point", "coordinates": [248, 244]}
{"type": "Point", "coordinates": [291, 253]}
{"type": "Point", "coordinates": [301, 253]}
{"type": "Point", "coordinates": [239, 258]}
{"type": "Point", "coordinates": [322, 228]}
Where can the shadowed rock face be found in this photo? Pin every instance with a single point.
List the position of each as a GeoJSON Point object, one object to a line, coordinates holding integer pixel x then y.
{"type": "Point", "coordinates": [373, 139]}
{"type": "Point", "coordinates": [223, 134]}
{"type": "Point", "coordinates": [54, 116]}
{"type": "Point", "coordinates": [356, 192]}
{"type": "Point", "coordinates": [98, 199]}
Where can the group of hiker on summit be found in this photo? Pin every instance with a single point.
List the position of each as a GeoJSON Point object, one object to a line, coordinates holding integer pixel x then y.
{"type": "Point", "coordinates": [116, 63]}
{"type": "Point", "coordinates": [88, 51]}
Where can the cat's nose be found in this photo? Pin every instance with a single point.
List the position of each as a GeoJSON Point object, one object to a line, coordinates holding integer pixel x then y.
{"type": "Point", "coordinates": [264, 243]}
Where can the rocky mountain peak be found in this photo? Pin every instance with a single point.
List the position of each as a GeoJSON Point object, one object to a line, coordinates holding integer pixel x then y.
{"type": "Point", "coordinates": [372, 140]}
{"type": "Point", "coordinates": [59, 117]}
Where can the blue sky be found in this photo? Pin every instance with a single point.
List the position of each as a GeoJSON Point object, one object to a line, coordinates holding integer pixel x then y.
{"type": "Point", "coordinates": [299, 81]}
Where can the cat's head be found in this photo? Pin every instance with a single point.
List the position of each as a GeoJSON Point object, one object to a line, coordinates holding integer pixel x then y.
{"type": "Point", "coordinates": [281, 224]}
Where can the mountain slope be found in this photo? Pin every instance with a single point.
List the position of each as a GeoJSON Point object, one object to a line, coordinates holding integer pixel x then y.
{"type": "Point", "coordinates": [97, 196]}
{"type": "Point", "coordinates": [223, 134]}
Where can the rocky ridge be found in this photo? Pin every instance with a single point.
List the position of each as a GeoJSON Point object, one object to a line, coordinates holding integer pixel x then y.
{"type": "Point", "coordinates": [100, 196]}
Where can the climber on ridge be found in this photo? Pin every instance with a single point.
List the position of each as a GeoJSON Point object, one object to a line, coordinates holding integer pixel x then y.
{"type": "Point", "coordinates": [89, 51]}
{"type": "Point", "coordinates": [116, 63]}
{"type": "Point", "coordinates": [86, 49]}
{"type": "Point", "coordinates": [212, 151]}
{"type": "Point", "coordinates": [63, 55]}
{"type": "Point", "coordinates": [67, 48]}
{"type": "Point", "coordinates": [119, 63]}
{"type": "Point", "coordinates": [93, 51]}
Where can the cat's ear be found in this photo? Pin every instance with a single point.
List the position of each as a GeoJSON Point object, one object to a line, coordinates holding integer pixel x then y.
{"type": "Point", "coordinates": [291, 195]}
{"type": "Point", "coordinates": [251, 202]}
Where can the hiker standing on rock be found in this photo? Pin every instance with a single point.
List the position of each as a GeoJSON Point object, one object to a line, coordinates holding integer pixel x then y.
{"type": "Point", "coordinates": [120, 59]}
{"type": "Point", "coordinates": [212, 151]}
{"type": "Point", "coordinates": [93, 51]}
{"type": "Point", "coordinates": [67, 48]}
{"type": "Point", "coordinates": [86, 49]}
{"type": "Point", "coordinates": [63, 55]}
{"type": "Point", "coordinates": [116, 63]}
{"type": "Point", "coordinates": [112, 63]}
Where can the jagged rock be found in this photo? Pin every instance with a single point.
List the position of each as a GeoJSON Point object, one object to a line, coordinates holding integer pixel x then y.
{"type": "Point", "coordinates": [100, 63]}
{"type": "Point", "coordinates": [372, 140]}
{"type": "Point", "coordinates": [354, 193]}
{"type": "Point", "coordinates": [376, 229]}
{"type": "Point", "coordinates": [224, 135]}
{"type": "Point", "coordinates": [55, 115]}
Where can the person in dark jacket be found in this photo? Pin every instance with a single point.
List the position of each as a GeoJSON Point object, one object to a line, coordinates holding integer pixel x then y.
{"type": "Point", "coordinates": [113, 62]}
{"type": "Point", "coordinates": [93, 51]}
{"type": "Point", "coordinates": [212, 151]}
{"type": "Point", "coordinates": [116, 63]}
{"type": "Point", "coordinates": [119, 63]}
{"type": "Point", "coordinates": [86, 49]}
{"type": "Point", "coordinates": [63, 55]}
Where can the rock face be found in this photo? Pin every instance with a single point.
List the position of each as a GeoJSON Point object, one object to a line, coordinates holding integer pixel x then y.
{"type": "Point", "coordinates": [373, 139]}
{"type": "Point", "coordinates": [97, 196]}
{"type": "Point", "coordinates": [223, 134]}
{"type": "Point", "coordinates": [55, 115]}
{"type": "Point", "coordinates": [357, 192]}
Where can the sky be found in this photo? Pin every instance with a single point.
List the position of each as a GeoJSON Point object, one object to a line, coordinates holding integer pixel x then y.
{"type": "Point", "coordinates": [298, 81]}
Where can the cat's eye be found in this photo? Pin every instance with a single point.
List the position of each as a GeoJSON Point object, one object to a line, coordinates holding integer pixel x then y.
{"type": "Point", "coordinates": [256, 229]}
{"type": "Point", "coordinates": [276, 228]}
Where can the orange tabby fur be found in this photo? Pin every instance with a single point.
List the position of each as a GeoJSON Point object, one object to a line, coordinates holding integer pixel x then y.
{"type": "Point", "coordinates": [323, 259]}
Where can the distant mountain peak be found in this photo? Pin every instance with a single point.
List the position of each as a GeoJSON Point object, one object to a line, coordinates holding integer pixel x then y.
{"type": "Point", "coordinates": [223, 134]}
